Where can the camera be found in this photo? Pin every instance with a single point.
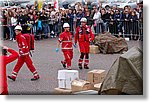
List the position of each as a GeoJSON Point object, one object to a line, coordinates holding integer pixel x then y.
{"type": "Point", "coordinates": [4, 51]}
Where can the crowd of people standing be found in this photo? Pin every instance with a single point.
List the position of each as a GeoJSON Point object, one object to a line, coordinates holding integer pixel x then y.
{"type": "Point", "coordinates": [48, 21]}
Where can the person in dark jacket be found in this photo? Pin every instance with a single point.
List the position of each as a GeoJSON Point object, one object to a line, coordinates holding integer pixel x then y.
{"type": "Point", "coordinates": [112, 26]}
{"type": "Point", "coordinates": [105, 17]}
{"type": "Point", "coordinates": [126, 23]}
{"type": "Point", "coordinates": [44, 18]}
{"type": "Point", "coordinates": [23, 21]}
{"type": "Point", "coordinates": [5, 31]}
{"type": "Point", "coordinates": [70, 19]}
{"type": "Point", "coordinates": [89, 18]}
{"type": "Point", "coordinates": [118, 22]}
{"type": "Point", "coordinates": [134, 25]}
{"type": "Point", "coordinates": [80, 14]}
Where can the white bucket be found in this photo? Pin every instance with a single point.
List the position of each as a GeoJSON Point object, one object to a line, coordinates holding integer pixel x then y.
{"type": "Point", "coordinates": [127, 39]}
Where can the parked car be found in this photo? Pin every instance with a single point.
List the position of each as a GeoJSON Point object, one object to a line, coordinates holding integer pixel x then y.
{"type": "Point", "coordinates": [129, 3]}
{"type": "Point", "coordinates": [4, 5]}
{"type": "Point", "coordinates": [120, 4]}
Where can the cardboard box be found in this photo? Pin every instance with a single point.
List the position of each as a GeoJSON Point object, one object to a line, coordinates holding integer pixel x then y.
{"type": "Point", "coordinates": [62, 91]}
{"type": "Point", "coordinates": [65, 77]}
{"type": "Point", "coordinates": [96, 76]}
{"type": "Point", "coordinates": [94, 49]}
{"type": "Point", "coordinates": [81, 85]}
{"type": "Point", "coordinates": [97, 86]}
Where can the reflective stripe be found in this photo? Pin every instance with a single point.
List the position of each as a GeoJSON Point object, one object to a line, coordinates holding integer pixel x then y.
{"type": "Point", "coordinates": [68, 38]}
{"type": "Point", "coordinates": [23, 43]}
{"type": "Point", "coordinates": [86, 59]}
{"type": "Point", "coordinates": [15, 72]}
{"type": "Point", "coordinates": [14, 75]}
{"type": "Point", "coordinates": [59, 39]}
{"type": "Point", "coordinates": [34, 72]}
{"type": "Point", "coordinates": [86, 63]}
{"type": "Point", "coordinates": [21, 52]}
{"type": "Point", "coordinates": [67, 48]}
{"type": "Point", "coordinates": [81, 59]}
{"type": "Point", "coordinates": [23, 47]}
{"type": "Point", "coordinates": [25, 53]}
{"type": "Point", "coordinates": [68, 56]}
{"type": "Point", "coordinates": [67, 41]}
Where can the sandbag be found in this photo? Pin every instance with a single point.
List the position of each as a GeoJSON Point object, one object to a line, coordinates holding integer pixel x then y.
{"type": "Point", "coordinates": [110, 44]}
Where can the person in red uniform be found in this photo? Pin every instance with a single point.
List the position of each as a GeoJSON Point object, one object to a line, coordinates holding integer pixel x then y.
{"type": "Point", "coordinates": [6, 59]}
{"type": "Point", "coordinates": [65, 39]}
{"type": "Point", "coordinates": [23, 56]}
{"type": "Point", "coordinates": [84, 36]}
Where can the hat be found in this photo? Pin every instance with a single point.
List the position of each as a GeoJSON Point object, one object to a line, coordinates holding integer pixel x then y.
{"type": "Point", "coordinates": [18, 27]}
{"type": "Point", "coordinates": [83, 20]}
{"type": "Point", "coordinates": [66, 25]}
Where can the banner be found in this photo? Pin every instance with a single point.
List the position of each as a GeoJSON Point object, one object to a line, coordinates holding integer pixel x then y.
{"type": "Point", "coordinates": [40, 4]}
{"type": "Point", "coordinates": [56, 4]}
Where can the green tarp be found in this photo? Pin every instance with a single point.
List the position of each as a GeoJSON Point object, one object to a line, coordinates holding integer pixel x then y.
{"type": "Point", "coordinates": [126, 74]}
{"type": "Point", "coordinates": [110, 44]}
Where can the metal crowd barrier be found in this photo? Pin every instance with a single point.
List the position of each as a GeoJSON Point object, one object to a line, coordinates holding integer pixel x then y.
{"type": "Point", "coordinates": [132, 29]}
{"type": "Point", "coordinates": [125, 28]}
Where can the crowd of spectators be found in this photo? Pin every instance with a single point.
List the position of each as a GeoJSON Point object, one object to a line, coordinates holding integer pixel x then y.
{"type": "Point", "coordinates": [47, 22]}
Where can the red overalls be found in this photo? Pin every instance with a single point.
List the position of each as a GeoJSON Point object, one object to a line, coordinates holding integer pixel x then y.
{"type": "Point", "coordinates": [84, 36]}
{"type": "Point", "coordinates": [6, 59]}
{"type": "Point", "coordinates": [24, 57]}
{"type": "Point", "coordinates": [66, 44]}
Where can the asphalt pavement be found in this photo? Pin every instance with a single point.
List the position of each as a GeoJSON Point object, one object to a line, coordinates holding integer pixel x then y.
{"type": "Point", "coordinates": [47, 63]}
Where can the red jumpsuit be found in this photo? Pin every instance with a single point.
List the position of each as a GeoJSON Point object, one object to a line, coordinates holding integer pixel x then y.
{"type": "Point", "coordinates": [84, 36]}
{"type": "Point", "coordinates": [66, 44]}
{"type": "Point", "coordinates": [24, 57]}
{"type": "Point", "coordinates": [6, 60]}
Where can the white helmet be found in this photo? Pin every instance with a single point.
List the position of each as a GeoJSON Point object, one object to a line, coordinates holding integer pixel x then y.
{"type": "Point", "coordinates": [18, 27]}
{"type": "Point", "coordinates": [83, 20]}
{"type": "Point", "coordinates": [66, 25]}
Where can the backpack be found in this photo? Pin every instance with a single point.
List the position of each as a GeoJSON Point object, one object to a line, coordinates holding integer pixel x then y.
{"type": "Point", "coordinates": [30, 40]}
{"type": "Point", "coordinates": [39, 25]}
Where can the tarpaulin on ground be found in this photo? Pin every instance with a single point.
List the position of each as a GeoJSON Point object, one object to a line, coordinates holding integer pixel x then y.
{"type": "Point", "coordinates": [125, 75]}
{"type": "Point", "coordinates": [110, 44]}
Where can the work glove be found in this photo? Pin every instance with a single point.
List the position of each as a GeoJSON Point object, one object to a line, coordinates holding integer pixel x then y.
{"type": "Point", "coordinates": [90, 40]}
{"type": "Point", "coordinates": [75, 45]}
{"type": "Point", "coordinates": [57, 49]}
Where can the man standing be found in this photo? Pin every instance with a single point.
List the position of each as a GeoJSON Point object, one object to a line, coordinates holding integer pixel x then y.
{"type": "Point", "coordinates": [65, 39]}
{"type": "Point", "coordinates": [5, 59]}
{"type": "Point", "coordinates": [84, 36]}
{"type": "Point", "coordinates": [24, 56]}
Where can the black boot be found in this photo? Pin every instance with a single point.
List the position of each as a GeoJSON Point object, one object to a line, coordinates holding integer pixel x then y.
{"type": "Point", "coordinates": [63, 64]}
{"type": "Point", "coordinates": [35, 78]}
{"type": "Point", "coordinates": [10, 77]}
{"type": "Point", "coordinates": [80, 66]}
{"type": "Point", "coordinates": [86, 67]}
